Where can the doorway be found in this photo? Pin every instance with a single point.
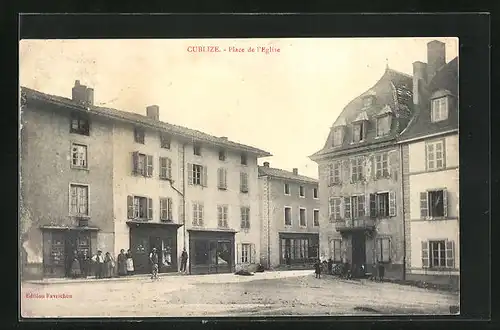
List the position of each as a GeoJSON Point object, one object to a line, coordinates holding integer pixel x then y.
{"type": "Point", "coordinates": [78, 241]}
{"type": "Point", "coordinates": [358, 252]}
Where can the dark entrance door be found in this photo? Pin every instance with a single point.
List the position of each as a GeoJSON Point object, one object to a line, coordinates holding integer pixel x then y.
{"type": "Point", "coordinates": [358, 252]}
{"type": "Point", "coordinates": [70, 247]}
{"type": "Point", "coordinates": [211, 252]}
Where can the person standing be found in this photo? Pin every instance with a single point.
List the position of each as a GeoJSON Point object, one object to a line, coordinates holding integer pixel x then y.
{"type": "Point", "coordinates": [153, 257]}
{"type": "Point", "coordinates": [330, 266]}
{"type": "Point", "coordinates": [130, 263]}
{"type": "Point", "coordinates": [317, 269]}
{"type": "Point", "coordinates": [84, 263]}
{"type": "Point", "coordinates": [122, 263]}
{"type": "Point", "coordinates": [109, 265]}
{"type": "Point", "coordinates": [75, 266]}
{"type": "Point", "coordinates": [98, 260]}
{"type": "Point", "coordinates": [184, 259]}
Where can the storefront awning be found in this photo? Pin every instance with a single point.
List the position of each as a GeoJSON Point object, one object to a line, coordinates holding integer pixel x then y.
{"type": "Point", "coordinates": [83, 228]}
{"type": "Point", "coordinates": [213, 230]}
{"type": "Point", "coordinates": [166, 224]}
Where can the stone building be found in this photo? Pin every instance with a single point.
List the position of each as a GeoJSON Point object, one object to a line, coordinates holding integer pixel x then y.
{"type": "Point", "coordinates": [360, 178]}
{"type": "Point", "coordinates": [290, 218]}
{"type": "Point", "coordinates": [100, 178]}
{"type": "Point", "coordinates": [431, 171]}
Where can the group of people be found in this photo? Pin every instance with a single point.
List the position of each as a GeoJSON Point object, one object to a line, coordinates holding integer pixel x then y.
{"type": "Point", "coordinates": [347, 270]}
{"type": "Point", "coordinates": [102, 266]}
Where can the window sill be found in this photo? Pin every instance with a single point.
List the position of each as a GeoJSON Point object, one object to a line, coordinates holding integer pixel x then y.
{"type": "Point", "coordinates": [288, 226]}
{"type": "Point", "coordinates": [80, 133]}
{"type": "Point", "coordinates": [436, 218]}
{"type": "Point", "coordinates": [80, 216]}
{"type": "Point", "coordinates": [79, 168]}
{"type": "Point", "coordinates": [439, 269]}
{"type": "Point", "coordinates": [301, 226]}
{"type": "Point", "coordinates": [167, 179]}
{"type": "Point", "coordinates": [302, 196]}
{"type": "Point", "coordinates": [222, 188]}
{"type": "Point", "coordinates": [288, 194]}
{"type": "Point", "coordinates": [243, 192]}
{"type": "Point", "coordinates": [137, 142]}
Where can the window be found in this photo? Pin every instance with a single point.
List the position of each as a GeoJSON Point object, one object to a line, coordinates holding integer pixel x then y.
{"type": "Point", "coordinates": [222, 155]}
{"type": "Point", "coordinates": [354, 207]}
{"type": "Point", "coordinates": [383, 249]}
{"type": "Point", "coordinates": [201, 248]}
{"type": "Point", "coordinates": [165, 168]}
{"type": "Point", "coordinates": [166, 209]}
{"type": "Point", "coordinates": [383, 125]}
{"type": "Point", "coordinates": [383, 204]}
{"type": "Point", "coordinates": [197, 150]}
{"type": "Point", "coordinates": [243, 159]}
{"type": "Point", "coordinates": [79, 200]}
{"type": "Point", "coordinates": [222, 178]}
{"type": "Point", "coordinates": [57, 249]}
{"type": "Point", "coordinates": [142, 164]}
{"type": "Point", "coordinates": [245, 217]}
{"type": "Point", "coordinates": [79, 125]}
{"type": "Point", "coordinates": [139, 207]}
{"type": "Point", "coordinates": [297, 249]}
{"type": "Point", "coordinates": [316, 218]}
{"type": "Point", "coordinates": [435, 155]}
{"type": "Point", "coordinates": [287, 189]}
{"type": "Point", "coordinates": [244, 182]}
{"type": "Point", "coordinates": [439, 110]}
{"type": "Point", "coordinates": [434, 204]}
{"type": "Point", "coordinates": [334, 173]}
{"type": "Point", "coordinates": [335, 213]}
{"type": "Point", "coordinates": [222, 216]}
{"type": "Point", "coordinates": [79, 155]}
{"type": "Point", "coordinates": [358, 132]}
{"type": "Point", "coordinates": [301, 191]}
{"type": "Point", "coordinates": [315, 193]}
{"type": "Point", "coordinates": [197, 175]}
{"type": "Point", "coordinates": [357, 169]}
{"type": "Point", "coordinates": [337, 136]}
{"type": "Point", "coordinates": [246, 253]}
{"type": "Point", "coordinates": [302, 217]}
{"type": "Point", "coordinates": [288, 216]}
{"type": "Point", "coordinates": [382, 165]}
{"type": "Point", "coordinates": [198, 214]}
{"type": "Point", "coordinates": [336, 250]}
{"type": "Point", "coordinates": [139, 135]}
{"type": "Point", "coordinates": [165, 141]}
{"type": "Point", "coordinates": [438, 254]}
{"type": "Point", "coordinates": [367, 101]}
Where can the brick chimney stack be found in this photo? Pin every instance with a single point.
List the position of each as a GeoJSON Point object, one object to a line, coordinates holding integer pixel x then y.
{"type": "Point", "coordinates": [296, 171]}
{"type": "Point", "coordinates": [419, 80]}
{"type": "Point", "coordinates": [153, 112]}
{"type": "Point", "coordinates": [81, 94]}
{"type": "Point", "coordinates": [436, 57]}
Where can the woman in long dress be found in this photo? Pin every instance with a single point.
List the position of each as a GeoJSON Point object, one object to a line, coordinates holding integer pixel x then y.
{"type": "Point", "coordinates": [75, 266]}
{"type": "Point", "coordinates": [108, 265]}
{"type": "Point", "coordinates": [130, 263]}
{"type": "Point", "coordinates": [122, 263]}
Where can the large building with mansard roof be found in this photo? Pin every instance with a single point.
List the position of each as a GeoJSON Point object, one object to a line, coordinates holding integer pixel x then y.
{"type": "Point", "coordinates": [360, 177]}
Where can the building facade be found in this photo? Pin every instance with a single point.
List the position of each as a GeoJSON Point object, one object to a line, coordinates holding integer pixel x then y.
{"type": "Point", "coordinates": [431, 170]}
{"type": "Point", "coordinates": [361, 178]}
{"type": "Point", "coordinates": [95, 178]}
{"type": "Point", "coordinates": [290, 218]}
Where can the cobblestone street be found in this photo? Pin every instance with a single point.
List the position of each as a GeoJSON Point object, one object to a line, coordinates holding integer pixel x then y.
{"type": "Point", "coordinates": [264, 294]}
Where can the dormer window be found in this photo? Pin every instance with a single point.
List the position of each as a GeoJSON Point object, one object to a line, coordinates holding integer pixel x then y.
{"type": "Point", "coordinates": [440, 105]}
{"type": "Point", "coordinates": [439, 109]}
{"type": "Point", "coordinates": [358, 132]}
{"type": "Point", "coordinates": [338, 136]}
{"type": "Point", "coordinates": [383, 125]}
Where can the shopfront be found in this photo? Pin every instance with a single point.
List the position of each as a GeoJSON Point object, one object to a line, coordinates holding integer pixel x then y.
{"type": "Point", "coordinates": [60, 244]}
{"type": "Point", "coordinates": [298, 248]}
{"type": "Point", "coordinates": [211, 252]}
{"type": "Point", "coordinates": [144, 236]}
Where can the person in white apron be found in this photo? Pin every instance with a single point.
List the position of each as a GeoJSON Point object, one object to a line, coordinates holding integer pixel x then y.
{"type": "Point", "coordinates": [130, 263]}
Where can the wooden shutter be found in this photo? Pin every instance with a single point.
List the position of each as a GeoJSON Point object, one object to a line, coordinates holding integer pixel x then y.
{"type": "Point", "coordinates": [425, 254]}
{"type": "Point", "coordinates": [330, 174]}
{"type": "Point", "coordinates": [194, 208]}
{"type": "Point", "coordinates": [204, 176]}
{"type": "Point", "coordinates": [220, 178]}
{"type": "Point", "coordinates": [378, 249]}
{"type": "Point", "coordinates": [200, 210]}
{"type": "Point", "coordinates": [373, 170]}
{"type": "Point", "coordinates": [373, 205]}
{"type": "Point", "coordinates": [252, 256]}
{"type": "Point", "coordinates": [219, 215]}
{"type": "Point", "coordinates": [163, 209]}
{"type": "Point", "coordinates": [242, 188]}
{"type": "Point", "coordinates": [169, 209]}
{"type": "Point", "coordinates": [361, 206]}
{"type": "Point", "coordinates": [392, 164]}
{"type": "Point", "coordinates": [190, 173]}
{"type": "Point", "coordinates": [130, 207]}
{"type": "Point", "coordinates": [135, 162]}
{"type": "Point", "coordinates": [445, 203]}
{"type": "Point", "coordinates": [386, 249]}
{"type": "Point", "coordinates": [424, 205]}
{"type": "Point", "coordinates": [242, 221]}
{"type": "Point", "coordinates": [238, 257]}
{"type": "Point", "coordinates": [149, 164]}
{"type": "Point", "coordinates": [150, 208]}
{"type": "Point", "coordinates": [169, 168]}
{"type": "Point", "coordinates": [392, 204]}
{"type": "Point", "coordinates": [444, 152]}
{"type": "Point", "coordinates": [450, 254]}
{"type": "Point", "coordinates": [347, 207]}
{"type": "Point", "coordinates": [162, 167]}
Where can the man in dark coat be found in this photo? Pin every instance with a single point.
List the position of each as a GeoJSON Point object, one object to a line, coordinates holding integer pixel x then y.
{"type": "Point", "coordinates": [122, 263]}
{"type": "Point", "coordinates": [153, 257]}
{"type": "Point", "coordinates": [184, 259]}
{"type": "Point", "coordinates": [330, 266]}
{"type": "Point", "coordinates": [317, 269]}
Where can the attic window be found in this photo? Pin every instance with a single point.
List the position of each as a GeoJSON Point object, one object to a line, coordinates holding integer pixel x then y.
{"type": "Point", "coordinates": [338, 136]}
{"type": "Point", "coordinates": [383, 125]}
{"type": "Point", "coordinates": [439, 109]}
{"type": "Point", "coordinates": [359, 131]}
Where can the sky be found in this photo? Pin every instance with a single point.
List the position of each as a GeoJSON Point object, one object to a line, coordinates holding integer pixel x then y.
{"type": "Point", "coordinates": [283, 102]}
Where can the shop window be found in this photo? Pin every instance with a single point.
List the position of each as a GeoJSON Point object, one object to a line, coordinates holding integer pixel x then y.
{"type": "Point", "coordinates": [201, 249]}
{"type": "Point", "coordinates": [57, 249]}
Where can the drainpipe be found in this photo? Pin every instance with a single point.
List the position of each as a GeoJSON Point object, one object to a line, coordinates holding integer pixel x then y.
{"type": "Point", "coordinates": [404, 220]}
{"type": "Point", "coordinates": [268, 227]}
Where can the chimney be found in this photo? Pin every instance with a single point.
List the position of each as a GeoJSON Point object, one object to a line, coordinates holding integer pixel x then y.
{"type": "Point", "coordinates": [266, 164]}
{"type": "Point", "coordinates": [436, 57]}
{"type": "Point", "coordinates": [419, 78]}
{"type": "Point", "coordinates": [79, 92]}
{"type": "Point", "coordinates": [296, 171]}
{"type": "Point", "coordinates": [153, 112]}
{"type": "Point", "coordinates": [90, 96]}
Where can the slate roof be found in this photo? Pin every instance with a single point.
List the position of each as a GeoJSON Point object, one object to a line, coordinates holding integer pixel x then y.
{"type": "Point", "coordinates": [282, 174]}
{"type": "Point", "coordinates": [134, 118]}
{"type": "Point", "coordinates": [445, 79]}
{"type": "Point", "coordinates": [394, 88]}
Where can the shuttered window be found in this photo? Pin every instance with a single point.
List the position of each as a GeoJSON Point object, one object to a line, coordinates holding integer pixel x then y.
{"type": "Point", "coordinates": [438, 254]}
{"type": "Point", "coordinates": [165, 168]}
{"type": "Point", "coordinates": [434, 204]}
{"type": "Point", "coordinates": [198, 214]}
{"type": "Point", "coordinates": [197, 175]}
{"type": "Point", "coordinates": [244, 182]}
{"type": "Point", "coordinates": [222, 178]}
{"type": "Point", "coordinates": [142, 164]}
{"type": "Point", "coordinates": [140, 208]}
{"type": "Point", "coordinates": [245, 217]}
{"type": "Point", "coordinates": [222, 216]}
{"type": "Point", "coordinates": [166, 209]}
{"type": "Point", "coordinates": [383, 249]}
